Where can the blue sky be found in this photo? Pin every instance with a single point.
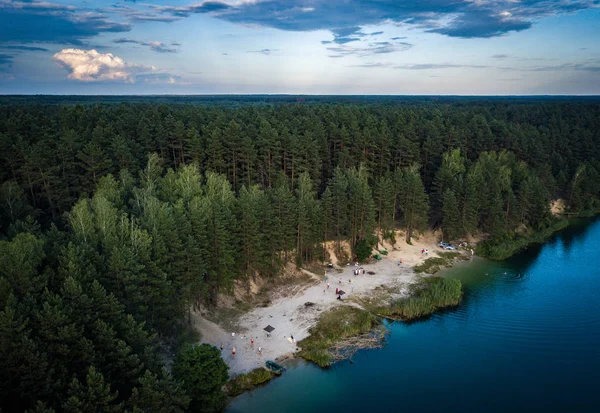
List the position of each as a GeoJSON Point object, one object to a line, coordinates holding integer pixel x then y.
{"type": "Point", "coordinates": [465, 47]}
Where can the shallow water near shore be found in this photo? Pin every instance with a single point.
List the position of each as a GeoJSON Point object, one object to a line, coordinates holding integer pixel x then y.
{"type": "Point", "coordinates": [525, 338]}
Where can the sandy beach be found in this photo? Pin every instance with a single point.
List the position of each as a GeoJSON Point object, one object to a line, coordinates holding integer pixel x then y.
{"type": "Point", "coordinates": [290, 316]}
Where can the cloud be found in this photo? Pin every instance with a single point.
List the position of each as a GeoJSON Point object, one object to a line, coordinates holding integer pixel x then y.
{"type": "Point", "coordinates": [371, 49]}
{"type": "Point", "coordinates": [482, 23]}
{"type": "Point", "coordinates": [37, 21]}
{"type": "Point", "coordinates": [23, 48]}
{"type": "Point", "coordinates": [141, 16]}
{"type": "Point", "coordinates": [155, 46]}
{"type": "Point", "coordinates": [437, 66]}
{"type": "Point", "coordinates": [372, 65]}
{"type": "Point", "coordinates": [194, 8]}
{"type": "Point", "coordinates": [589, 66]}
{"type": "Point", "coordinates": [375, 33]}
{"type": "Point", "coordinates": [500, 56]}
{"type": "Point", "coordinates": [5, 59]}
{"type": "Point", "coordinates": [398, 38]}
{"type": "Point", "coordinates": [266, 52]}
{"type": "Point", "coordinates": [92, 66]}
{"type": "Point", "coordinates": [419, 66]}
{"type": "Point", "coordinates": [466, 18]}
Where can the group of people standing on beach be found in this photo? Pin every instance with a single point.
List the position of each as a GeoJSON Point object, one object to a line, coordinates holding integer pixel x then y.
{"type": "Point", "coordinates": [233, 349]}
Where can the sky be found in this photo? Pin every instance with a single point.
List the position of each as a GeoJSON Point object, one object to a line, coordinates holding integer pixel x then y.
{"type": "Point", "coordinates": [382, 47]}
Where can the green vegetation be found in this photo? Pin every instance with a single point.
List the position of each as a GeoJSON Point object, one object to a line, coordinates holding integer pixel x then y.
{"type": "Point", "coordinates": [248, 381]}
{"type": "Point", "coordinates": [203, 374]}
{"type": "Point", "coordinates": [332, 329]}
{"type": "Point", "coordinates": [435, 264]}
{"type": "Point", "coordinates": [429, 295]}
{"type": "Point", "coordinates": [501, 249]}
{"type": "Point", "coordinates": [116, 219]}
{"type": "Point", "coordinates": [364, 247]}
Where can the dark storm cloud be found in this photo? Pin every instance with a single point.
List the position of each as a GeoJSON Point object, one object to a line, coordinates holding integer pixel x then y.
{"type": "Point", "coordinates": [36, 21]}
{"type": "Point", "coordinates": [475, 18]}
{"type": "Point", "coordinates": [24, 48]}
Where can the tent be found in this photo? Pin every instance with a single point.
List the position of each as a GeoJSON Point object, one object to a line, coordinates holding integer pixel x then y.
{"type": "Point", "coordinates": [269, 328]}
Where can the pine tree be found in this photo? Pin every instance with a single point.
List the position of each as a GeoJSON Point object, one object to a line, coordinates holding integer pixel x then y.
{"type": "Point", "coordinates": [450, 216]}
{"type": "Point", "coordinates": [413, 201]}
{"type": "Point", "coordinates": [203, 373]}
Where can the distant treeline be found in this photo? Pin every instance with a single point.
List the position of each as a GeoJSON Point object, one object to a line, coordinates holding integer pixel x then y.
{"type": "Point", "coordinates": [116, 220]}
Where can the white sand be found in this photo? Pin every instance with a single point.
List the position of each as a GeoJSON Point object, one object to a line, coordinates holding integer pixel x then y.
{"type": "Point", "coordinates": [291, 317]}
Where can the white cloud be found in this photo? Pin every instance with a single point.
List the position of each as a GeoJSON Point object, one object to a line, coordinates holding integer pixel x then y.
{"type": "Point", "coordinates": [92, 66]}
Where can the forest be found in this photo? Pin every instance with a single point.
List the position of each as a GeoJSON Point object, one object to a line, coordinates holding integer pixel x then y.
{"type": "Point", "coordinates": [116, 219]}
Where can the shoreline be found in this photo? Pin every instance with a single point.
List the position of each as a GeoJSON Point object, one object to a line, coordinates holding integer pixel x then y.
{"type": "Point", "coordinates": [298, 317]}
{"type": "Point", "coordinates": [290, 315]}
{"type": "Point", "coordinates": [294, 313]}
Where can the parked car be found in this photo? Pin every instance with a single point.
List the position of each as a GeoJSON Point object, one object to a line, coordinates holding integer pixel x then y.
{"type": "Point", "coordinates": [446, 246]}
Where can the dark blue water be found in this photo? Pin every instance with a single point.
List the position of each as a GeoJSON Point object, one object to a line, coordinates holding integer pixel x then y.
{"type": "Point", "coordinates": [525, 339]}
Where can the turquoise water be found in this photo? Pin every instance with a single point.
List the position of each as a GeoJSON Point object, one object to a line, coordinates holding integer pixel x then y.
{"type": "Point", "coordinates": [525, 339]}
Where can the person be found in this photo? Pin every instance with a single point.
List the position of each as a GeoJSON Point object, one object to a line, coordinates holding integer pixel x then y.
{"type": "Point", "coordinates": [233, 351]}
{"type": "Point", "coordinates": [352, 287]}
{"type": "Point", "coordinates": [364, 272]}
{"type": "Point", "coordinates": [398, 263]}
{"type": "Point", "coordinates": [222, 346]}
{"type": "Point", "coordinates": [232, 335]}
{"type": "Point", "coordinates": [328, 286]}
{"type": "Point", "coordinates": [336, 290]}
{"type": "Point", "coordinates": [426, 251]}
{"type": "Point", "coordinates": [422, 251]}
{"type": "Point", "coordinates": [293, 341]}
{"type": "Point", "coordinates": [340, 280]}
{"type": "Point", "coordinates": [259, 350]}
{"type": "Point", "coordinates": [251, 341]}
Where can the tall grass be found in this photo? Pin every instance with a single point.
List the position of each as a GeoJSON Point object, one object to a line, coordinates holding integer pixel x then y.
{"type": "Point", "coordinates": [334, 326]}
{"type": "Point", "coordinates": [429, 295]}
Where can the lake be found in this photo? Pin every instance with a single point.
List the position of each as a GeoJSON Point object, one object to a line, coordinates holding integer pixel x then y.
{"type": "Point", "coordinates": [526, 338]}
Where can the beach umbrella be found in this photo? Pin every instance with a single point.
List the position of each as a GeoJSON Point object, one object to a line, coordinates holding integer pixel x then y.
{"type": "Point", "coordinates": [341, 292]}
{"type": "Point", "coordinates": [269, 328]}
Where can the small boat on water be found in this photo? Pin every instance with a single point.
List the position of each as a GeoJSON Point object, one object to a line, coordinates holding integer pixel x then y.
{"type": "Point", "coordinates": [274, 367]}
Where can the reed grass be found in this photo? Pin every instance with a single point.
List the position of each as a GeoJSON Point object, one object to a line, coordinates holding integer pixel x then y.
{"type": "Point", "coordinates": [334, 326]}
{"type": "Point", "coordinates": [429, 295]}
